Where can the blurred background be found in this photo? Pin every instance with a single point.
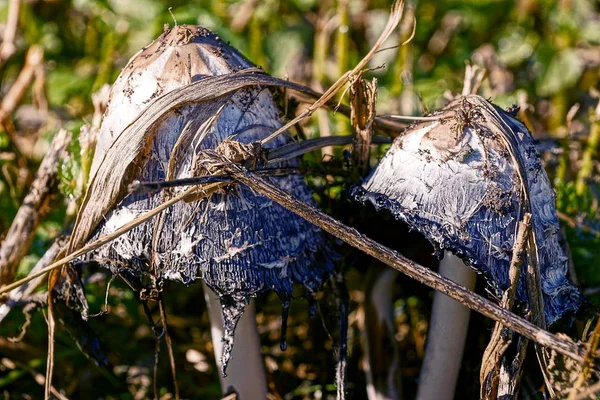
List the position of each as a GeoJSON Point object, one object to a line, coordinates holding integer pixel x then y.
{"type": "Point", "coordinates": [541, 55]}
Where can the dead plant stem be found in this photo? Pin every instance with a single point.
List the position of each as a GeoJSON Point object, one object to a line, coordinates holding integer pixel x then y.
{"type": "Point", "coordinates": [490, 365]}
{"type": "Point", "coordinates": [105, 239]}
{"type": "Point", "coordinates": [393, 21]}
{"type": "Point", "coordinates": [406, 266]}
{"type": "Point", "coordinates": [588, 362]}
{"type": "Point", "coordinates": [8, 48]}
{"type": "Point", "coordinates": [35, 205]}
{"type": "Point", "coordinates": [34, 58]}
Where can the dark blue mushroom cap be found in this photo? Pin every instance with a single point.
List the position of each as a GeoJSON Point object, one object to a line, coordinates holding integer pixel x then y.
{"type": "Point", "coordinates": [457, 180]}
{"type": "Point", "coordinates": [240, 243]}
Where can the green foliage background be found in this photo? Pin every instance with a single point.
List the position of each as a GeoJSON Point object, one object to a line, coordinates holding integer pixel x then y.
{"type": "Point", "coordinates": [546, 58]}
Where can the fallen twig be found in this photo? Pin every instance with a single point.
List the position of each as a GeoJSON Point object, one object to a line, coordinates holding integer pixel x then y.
{"type": "Point", "coordinates": [406, 266]}
{"type": "Point", "coordinates": [34, 207]}
{"type": "Point", "coordinates": [26, 289]}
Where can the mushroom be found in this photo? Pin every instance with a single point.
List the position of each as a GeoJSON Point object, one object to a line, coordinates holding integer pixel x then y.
{"type": "Point", "coordinates": [463, 178]}
{"type": "Point", "coordinates": [238, 242]}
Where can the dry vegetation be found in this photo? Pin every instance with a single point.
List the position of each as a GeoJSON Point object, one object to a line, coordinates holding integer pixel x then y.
{"type": "Point", "coordinates": [56, 58]}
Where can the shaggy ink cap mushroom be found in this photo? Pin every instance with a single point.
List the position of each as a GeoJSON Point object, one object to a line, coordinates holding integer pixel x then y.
{"type": "Point", "coordinates": [240, 243]}
{"type": "Point", "coordinates": [454, 180]}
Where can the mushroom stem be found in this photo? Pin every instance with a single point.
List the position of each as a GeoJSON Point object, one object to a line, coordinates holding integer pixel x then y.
{"type": "Point", "coordinates": [382, 361]}
{"type": "Point", "coordinates": [246, 373]}
{"type": "Point", "coordinates": [447, 334]}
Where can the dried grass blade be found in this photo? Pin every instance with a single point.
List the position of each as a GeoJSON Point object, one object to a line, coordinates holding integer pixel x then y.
{"type": "Point", "coordinates": [392, 23]}
{"type": "Point", "coordinates": [18, 293]}
{"type": "Point", "coordinates": [104, 239]}
{"type": "Point", "coordinates": [297, 149]}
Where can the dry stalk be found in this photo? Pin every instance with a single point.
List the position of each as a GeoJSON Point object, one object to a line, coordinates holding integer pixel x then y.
{"type": "Point", "coordinates": [511, 371]}
{"type": "Point", "coordinates": [242, 15]}
{"type": "Point", "coordinates": [406, 266]}
{"type": "Point", "coordinates": [19, 293]}
{"type": "Point", "coordinates": [363, 99]}
{"type": "Point", "coordinates": [577, 224]}
{"type": "Point", "coordinates": [33, 60]}
{"type": "Point", "coordinates": [407, 118]}
{"type": "Point", "coordinates": [588, 362]}
{"type": "Point", "coordinates": [534, 285]}
{"type": "Point", "coordinates": [474, 76]}
{"type": "Point", "coordinates": [8, 48]}
{"type": "Point", "coordinates": [38, 95]}
{"type": "Point", "coordinates": [52, 281]}
{"type": "Point", "coordinates": [35, 205]}
{"type": "Point", "coordinates": [392, 23]}
{"type": "Point", "coordinates": [88, 135]}
{"type": "Point", "coordinates": [490, 365]}
{"type": "Point", "coordinates": [107, 238]}
{"type": "Point", "coordinates": [387, 123]}
{"type": "Point", "coordinates": [325, 24]}
{"type": "Point", "coordinates": [536, 304]}
{"type": "Point", "coordinates": [163, 319]}
{"type": "Point", "coordinates": [39, 378]}
{"type": "Point", "coordinates": [589, 392]}
{"type": "Point", "coordinates": [590, 152]}
{"type": "Point", "coordinates": [297, 149]}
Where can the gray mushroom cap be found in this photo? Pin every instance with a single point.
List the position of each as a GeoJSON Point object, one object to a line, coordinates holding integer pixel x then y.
{"type": "Point", "coordinates": [453, 179]}
{"type": "Point", "coordinates": [240, 243]}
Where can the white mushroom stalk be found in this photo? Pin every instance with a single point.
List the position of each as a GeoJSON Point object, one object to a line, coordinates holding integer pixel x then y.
{"type": "Point", "coordinates": [446, 337]}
